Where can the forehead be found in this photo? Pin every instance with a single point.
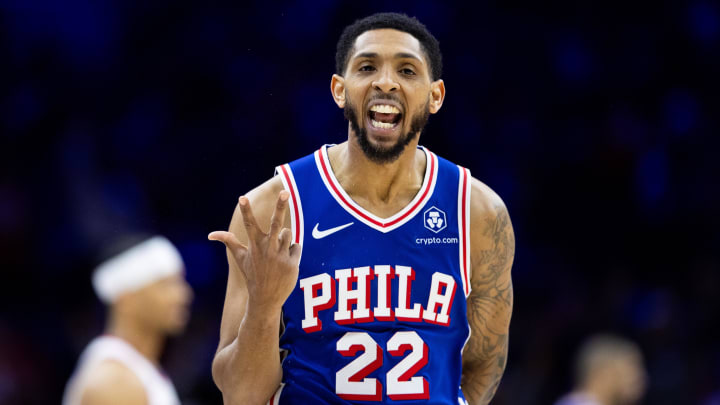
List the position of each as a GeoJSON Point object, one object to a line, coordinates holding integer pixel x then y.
{"type": "Point", "coordinates": [387, 41]}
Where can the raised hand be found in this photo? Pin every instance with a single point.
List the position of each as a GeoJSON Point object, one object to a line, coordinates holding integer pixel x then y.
{"type": "Point", "coordinates": [269, 263]}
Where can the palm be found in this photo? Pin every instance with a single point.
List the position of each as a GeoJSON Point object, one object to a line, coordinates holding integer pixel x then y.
{"type": "Point", "coordinates": [269, 263]}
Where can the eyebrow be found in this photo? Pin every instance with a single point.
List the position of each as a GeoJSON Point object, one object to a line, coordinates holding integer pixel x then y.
{"type": "Point", "coordinates": [399, 55]}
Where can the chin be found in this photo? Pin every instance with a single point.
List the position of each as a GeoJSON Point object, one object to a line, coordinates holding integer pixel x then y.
{"type": "Point", "coordinates": [384, 142]}
{"type": "Point", "coordinates": [383, 150]}
{"type": "Point", "coordinates": [177, 324]}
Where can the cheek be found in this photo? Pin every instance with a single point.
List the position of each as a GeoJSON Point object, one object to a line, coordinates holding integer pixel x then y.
{"type": "Point", "coordinates": [418, 98]}
{"type": "Point", "coordinates": [354, 99]}
{"type": "Point", "coordinates": [159, 304]}
{"type": "Point", "coordinates": [178, 297]}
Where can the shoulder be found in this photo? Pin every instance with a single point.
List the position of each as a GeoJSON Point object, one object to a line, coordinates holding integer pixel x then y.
{"type": "Point", "coordinates": [492, 239]}
{"type": "Point", "coordinates": [110, 383]}
{"type": "Point", "coordinates": [267, 192]}
{"type": "Point", "coordinates": [485, 206]}
{"type": "Point", "coordinates": [263, 199]}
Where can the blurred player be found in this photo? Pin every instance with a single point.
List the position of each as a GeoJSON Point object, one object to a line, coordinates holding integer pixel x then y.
{"type": "Point", "coordinates": [148, 300]}
{"type": "Point", "coordinates": [608, 371]}
{"type": "Point", "coordinates": [404, 254]}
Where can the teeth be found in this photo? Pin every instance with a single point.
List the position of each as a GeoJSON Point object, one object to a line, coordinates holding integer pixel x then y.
{"type": "Point", "coordinates": [384, 109]}
{"type": "Point", "coordinates": [384, 125]}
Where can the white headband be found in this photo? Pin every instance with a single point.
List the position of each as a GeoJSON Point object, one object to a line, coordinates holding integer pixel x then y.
{"type": "Point", "coordinates": [135, 268]}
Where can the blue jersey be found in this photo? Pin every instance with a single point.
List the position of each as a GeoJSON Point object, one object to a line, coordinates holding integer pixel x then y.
{"type": "Point", "coordinates": [379, 311]}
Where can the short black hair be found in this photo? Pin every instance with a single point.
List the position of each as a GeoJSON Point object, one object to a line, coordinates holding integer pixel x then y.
{"type": "Point", "coordinates": [396, 21]}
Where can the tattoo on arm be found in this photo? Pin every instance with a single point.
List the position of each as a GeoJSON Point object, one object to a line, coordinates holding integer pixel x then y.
{"type": "Point", "coordinates": [489, 309]}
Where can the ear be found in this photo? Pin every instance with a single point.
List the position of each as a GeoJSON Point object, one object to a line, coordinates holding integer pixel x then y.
{"type": "Point", "coordinates": [437, 95]}
{"type": "Point", "coordinates": [337, 87]}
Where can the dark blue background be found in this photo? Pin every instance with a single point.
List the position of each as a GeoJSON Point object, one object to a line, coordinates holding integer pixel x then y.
{"type": "Point", "coordinates": [596, 122]}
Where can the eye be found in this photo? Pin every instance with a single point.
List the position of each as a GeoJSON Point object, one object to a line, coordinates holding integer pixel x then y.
{"type": "Point", "coordinates": [407, 71]}
{"type": "Point", "coordinates": [366, 68]}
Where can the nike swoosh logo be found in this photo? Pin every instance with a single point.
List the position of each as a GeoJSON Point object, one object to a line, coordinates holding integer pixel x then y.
{"type": "Point", "coordinates": [317, 234]}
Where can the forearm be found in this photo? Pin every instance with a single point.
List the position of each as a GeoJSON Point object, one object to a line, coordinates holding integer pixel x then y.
{"type": "Point", "coordinates": [491, 301]}
{"type": "Point", "coordinates": [248, 370]}
{"type": "Point", "coordinates": [480, 379]}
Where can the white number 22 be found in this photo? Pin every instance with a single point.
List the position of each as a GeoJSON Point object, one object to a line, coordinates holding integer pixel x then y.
{"type": "Point", "coordinates": [351, 381]}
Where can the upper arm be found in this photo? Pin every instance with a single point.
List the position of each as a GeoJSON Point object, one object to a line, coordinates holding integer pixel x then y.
{"type": "Point", "coordinates": [111, 383]}
{"type": "Point", "coordinates": [491, 300]}
{"type": "Point", "coordinates": [262, 201]}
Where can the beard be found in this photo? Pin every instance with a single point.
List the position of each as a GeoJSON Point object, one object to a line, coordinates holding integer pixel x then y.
{"type": "Point", "coordinates": [379, 154]}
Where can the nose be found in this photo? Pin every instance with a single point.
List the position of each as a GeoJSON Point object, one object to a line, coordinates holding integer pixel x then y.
{"type": "Point", "coordinates": [386, 82]}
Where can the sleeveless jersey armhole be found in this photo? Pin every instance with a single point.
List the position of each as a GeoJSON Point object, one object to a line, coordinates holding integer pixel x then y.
{"type": "Point", "coordinates": [464, 188]}
{"type": "Point", "coordinates": [296, 212]}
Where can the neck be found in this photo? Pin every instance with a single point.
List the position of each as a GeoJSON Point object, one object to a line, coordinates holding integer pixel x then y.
{"type": "Point", "coordinates": [381, 188]}
{"type": "Point", "coordinates": [148, 341]}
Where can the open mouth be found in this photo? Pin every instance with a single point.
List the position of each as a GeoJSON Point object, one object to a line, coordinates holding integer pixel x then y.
{"type": "Point", "coordinates": [384, 116]}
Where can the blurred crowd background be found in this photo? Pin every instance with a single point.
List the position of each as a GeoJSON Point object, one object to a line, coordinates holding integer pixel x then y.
{"type": "Point", "coordinates": [596, 122]}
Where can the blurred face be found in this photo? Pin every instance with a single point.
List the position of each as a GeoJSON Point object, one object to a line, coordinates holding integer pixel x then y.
{"type": "Point", "coordinates": [164, 305]}
{"type": "Point", "coordinates": [386, 92]}
{"type": "Point", "coordinates": [630, 379]}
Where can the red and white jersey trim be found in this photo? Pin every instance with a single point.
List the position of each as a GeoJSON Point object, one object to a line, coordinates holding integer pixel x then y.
{"type": "Point", "coordinates": [464, 188]}
{"type": "Point", "coordinates": [383, 225]}
{"type": "Point", "coordinates": [296, 212]}
{"type": "Point", "coordinates": [275, 399]}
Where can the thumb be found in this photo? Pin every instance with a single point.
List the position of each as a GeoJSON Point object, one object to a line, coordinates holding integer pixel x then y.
{"type": "Point", "coordinates": [228, 238]}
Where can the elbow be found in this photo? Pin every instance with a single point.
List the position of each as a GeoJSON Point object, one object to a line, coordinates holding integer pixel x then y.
{"type": "Point", "coordinates": [216, 372]}
{"type": "Point", "coordinates": [221, 370]}
{"type": "Point", "coordinates": [220, 378]}
{"type": "Point", "coordinates": [227, 389]}
{"type": "Point", "coordinates": [233, 392]}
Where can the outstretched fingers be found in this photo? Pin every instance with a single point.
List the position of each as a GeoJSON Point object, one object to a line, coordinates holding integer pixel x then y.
{"type": "Point", "coordinates": [251, 227]}
{"type": "Point", "coordinates": [278, 217]}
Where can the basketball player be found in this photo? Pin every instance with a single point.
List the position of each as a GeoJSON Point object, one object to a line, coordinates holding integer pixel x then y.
{"type": "Point", "coordinates": [609, 371]}
{"type": "Point", "coordinates": [401, 292]}
{"type": "Point", "coordinates": [148, 299]}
